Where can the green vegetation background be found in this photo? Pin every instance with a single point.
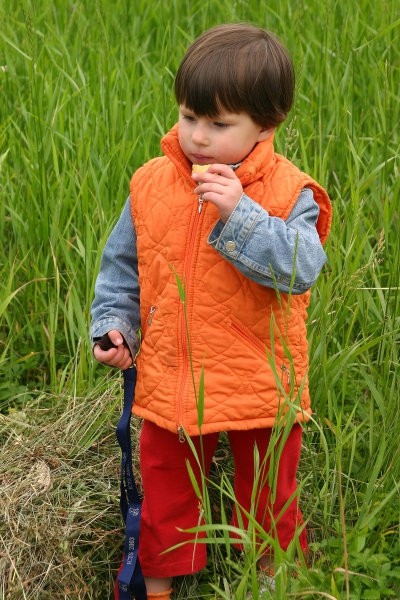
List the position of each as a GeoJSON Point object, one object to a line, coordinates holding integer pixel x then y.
{"type": "Point", "coordinates": [85, 95]}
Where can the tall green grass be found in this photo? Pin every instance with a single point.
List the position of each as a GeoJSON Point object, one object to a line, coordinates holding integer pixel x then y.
{"type": "Point", "coordinates": [86, 93]}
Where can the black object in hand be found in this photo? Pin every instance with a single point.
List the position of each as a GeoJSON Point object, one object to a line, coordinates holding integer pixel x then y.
{"type": "Point", "coordinates": [104, 342]}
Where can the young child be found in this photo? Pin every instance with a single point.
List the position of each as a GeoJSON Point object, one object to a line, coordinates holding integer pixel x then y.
{"type": "Point", "coordinates": [245, 238]}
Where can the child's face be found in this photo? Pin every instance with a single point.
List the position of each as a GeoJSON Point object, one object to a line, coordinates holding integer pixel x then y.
{"type": "Point", "coordinates": [226, 139]}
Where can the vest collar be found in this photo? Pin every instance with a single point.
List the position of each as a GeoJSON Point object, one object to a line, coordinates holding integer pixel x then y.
{"type": "Point", "coordinates": [257, 164]}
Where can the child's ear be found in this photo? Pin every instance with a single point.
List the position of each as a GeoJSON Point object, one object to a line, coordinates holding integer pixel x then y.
{"type": "Point", "coordinates": [265, 134]}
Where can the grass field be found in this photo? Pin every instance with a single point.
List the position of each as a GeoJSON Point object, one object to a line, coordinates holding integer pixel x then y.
{"type": "Point", "coordinates": [85, 95]}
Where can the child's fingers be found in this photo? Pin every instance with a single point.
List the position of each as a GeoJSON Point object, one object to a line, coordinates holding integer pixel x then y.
{"type": "Point", "coordinates": [223, 170]}
{"type": "Point", "coordinates": [104, 356]}
{"type": "Point", "coordinates": [116, 337]}
{"type": "Point", "coordinates": [118, 357]}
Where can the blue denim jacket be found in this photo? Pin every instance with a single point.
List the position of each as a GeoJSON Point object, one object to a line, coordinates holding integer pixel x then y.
{"type": "Point", "coordinates": [263, 248]}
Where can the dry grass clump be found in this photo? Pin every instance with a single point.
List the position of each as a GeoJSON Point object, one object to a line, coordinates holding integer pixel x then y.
{"type": "Point", "coordinates": [60, 528]}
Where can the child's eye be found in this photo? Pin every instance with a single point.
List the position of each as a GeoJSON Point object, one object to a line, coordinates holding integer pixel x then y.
{"type": "Point", "coordinates": [188, 118]}
{"type": "Point", "coordinates": [221, 125]}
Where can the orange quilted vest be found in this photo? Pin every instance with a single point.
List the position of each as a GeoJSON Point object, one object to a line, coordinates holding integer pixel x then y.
{"type": "Point", "coordinates": [249, 341]}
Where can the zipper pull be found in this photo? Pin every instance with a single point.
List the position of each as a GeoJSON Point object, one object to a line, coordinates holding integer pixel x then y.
{"type": "Point", "coordinates": [151, 314]}
{"type": "Point", "coordinates": [201, 202]}
{"type": "Point", "coordinates": [181, 434]}
{"type": "Point", "coordinates": [286, 370]}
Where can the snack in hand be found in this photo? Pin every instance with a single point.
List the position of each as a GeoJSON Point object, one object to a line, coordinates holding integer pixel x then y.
{"type": "Point", "coordinates": [199, 168]}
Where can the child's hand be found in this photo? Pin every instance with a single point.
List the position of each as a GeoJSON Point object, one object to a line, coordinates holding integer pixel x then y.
{"type": "Point", "coordinates": [220, 186]}
{"type": "Point", "coordinates": [118, 355]}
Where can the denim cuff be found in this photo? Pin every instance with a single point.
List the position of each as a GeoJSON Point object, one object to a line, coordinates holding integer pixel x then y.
{"type": "Point", "coordinates": [229, 238]}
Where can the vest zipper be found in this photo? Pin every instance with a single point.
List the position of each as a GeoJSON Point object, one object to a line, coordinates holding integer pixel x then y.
{"type": "Point", "coordinates": [184, 341]}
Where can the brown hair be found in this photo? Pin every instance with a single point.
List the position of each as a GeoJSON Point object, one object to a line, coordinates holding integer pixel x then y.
{"type": "Point", "coordinates": [237, 68]}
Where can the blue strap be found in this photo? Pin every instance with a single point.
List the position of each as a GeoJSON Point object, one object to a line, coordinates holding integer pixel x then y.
{"type": "Point", "coordinates": [130, 580]}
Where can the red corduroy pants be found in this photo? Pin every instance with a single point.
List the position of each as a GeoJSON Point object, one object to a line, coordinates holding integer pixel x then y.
{"type": "Point", "coordinates": [170, 503]}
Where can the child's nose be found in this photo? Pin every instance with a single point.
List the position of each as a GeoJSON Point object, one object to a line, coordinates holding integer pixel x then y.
{"type": "Point", "coordinates": [199, 135]}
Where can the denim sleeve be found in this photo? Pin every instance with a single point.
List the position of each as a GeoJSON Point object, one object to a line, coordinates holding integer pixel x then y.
{"type": "Point", "coordinates": [283, 254]}
{"type": "Point", "coordinates": [116, 300]}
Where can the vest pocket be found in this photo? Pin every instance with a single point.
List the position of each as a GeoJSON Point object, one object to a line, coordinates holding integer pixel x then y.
{"type": "Point", "coordinates": [245, 334]}
{"type": "Point", "coordinates": [158, 337]}
{"type": "Point", "coordinates": [281, 371]}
